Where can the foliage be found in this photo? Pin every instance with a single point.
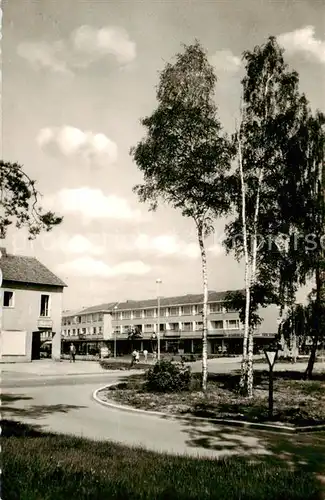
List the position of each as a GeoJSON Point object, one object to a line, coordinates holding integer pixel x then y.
{"type": "Point", "coordinates": [53, 467]}
{"type": "Point", "coordinates": [166, 376]}
{"type": "Point", "coordinates": [185, 157]}
{"type": "Point", "coordinates": [274, 113]}
{"type": "Point", "coordinates": [262, 295]}
{"type": "Point", "coordinates": [20, 202]}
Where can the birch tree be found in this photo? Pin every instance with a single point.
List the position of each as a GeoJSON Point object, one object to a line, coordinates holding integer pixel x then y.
{"type": "Point", "coordinates": [272, 109]}
{"type": "Point", "coordinates": [185, 155]}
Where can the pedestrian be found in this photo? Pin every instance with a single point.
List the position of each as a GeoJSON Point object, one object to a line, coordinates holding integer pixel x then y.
{"type": "Point", "coordinates": [134, 357]}
{"type": "Point", "coordinates": [72, 353]}
{"type": "Point", "coordinates": [137, 357]}
{"type": "Point", "coordinates": [145, 353]}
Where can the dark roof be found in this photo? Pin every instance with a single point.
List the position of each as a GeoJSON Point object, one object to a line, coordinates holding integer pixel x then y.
{"type": "Point", "coordinates": [22, 269]}
{"type": "Point", "coordinates": [164, 301]}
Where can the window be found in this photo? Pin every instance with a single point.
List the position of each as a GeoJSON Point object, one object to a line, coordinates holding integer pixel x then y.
{"type": "Point", "coordinates": [78, 319]}
{"type": "Point", "coordinates": [73, 331]}
{"type": "Point", "coordinates": [95, 330]}
{"type": "Point", "coordinates": [100, 329]}
{"type": "Point", "coordinates": [83, 319]}
{"type": "Point", "coordinates": [149, 313]}
{"type": "Point", "coordinates": [164, 311]}
{"type": "Point", "coordinates": [230, 309]}
{"type": "Point", "coordinates": [186, 310]}
{"type": "Point", "coordinates": [100, 316]}
{"type": "Point", "coordinates": [217, 325]}
{"type": "Point", "coordinates": [233, 324]}
{"type": "Point", "coordinates": [8, 299]}
{"type": "Point", "coordinates": [195, 309]}
{"type": "Point", "coordinates": [199, 325]}
{"type": "Point", "coordinates": [126, 315]}
{"type": "Point", "coordinates": [173, 311]}
{"type": "Point", "coordinates": [45, 305]}
{"type": "Point", "coordinates": [187, 327]}
{"type": "Point", "coordinates": [148, 326]}
{"type": "Point", "coordinates": [137, 314]}
{"type": "Point", "coordinates": [216, 308]}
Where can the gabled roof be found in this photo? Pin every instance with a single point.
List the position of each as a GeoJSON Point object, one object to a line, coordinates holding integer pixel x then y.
{"type": "Point", "coordinates": [179, 300]}
{"type": "Point", "coordinates": [20, 269]}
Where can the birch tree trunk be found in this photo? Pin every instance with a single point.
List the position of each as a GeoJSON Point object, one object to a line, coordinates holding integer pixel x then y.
{"type": "Point", "coordinates": [243, 378]}
{"type": "Point", "coordinates": [250, 365]}
{"type": "Point", "coordinates": [200, 230]}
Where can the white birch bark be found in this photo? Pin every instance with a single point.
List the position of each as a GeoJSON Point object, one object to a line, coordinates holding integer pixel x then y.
{"type": "Point", "coordinates": [200, 229]}
{"type": "Point", "coordinates": [243, 379]}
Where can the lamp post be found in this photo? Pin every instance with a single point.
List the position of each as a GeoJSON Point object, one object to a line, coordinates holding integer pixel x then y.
{"type": "Point", "coordinates": [158, 282]}
{"type": "Point", "coordinates": [115, 309]}
{"type": "Point", "coordinates": [271, 355]}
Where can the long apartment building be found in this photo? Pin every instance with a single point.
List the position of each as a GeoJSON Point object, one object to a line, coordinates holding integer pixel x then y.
{"type": "Point", "coordinates": [179, 322]}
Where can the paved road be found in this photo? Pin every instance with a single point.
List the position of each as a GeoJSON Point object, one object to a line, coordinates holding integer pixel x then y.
{"type": "Point", "coordinates": [65, 404]}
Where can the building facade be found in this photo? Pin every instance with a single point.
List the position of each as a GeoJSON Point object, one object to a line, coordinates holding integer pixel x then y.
{"type": "Point", "coordinates": [179, 320]}
{"type": "Point", "coordinates": [31, 298]}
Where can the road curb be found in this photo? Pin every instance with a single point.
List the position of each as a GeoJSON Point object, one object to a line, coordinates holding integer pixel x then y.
{"type": "Point", "coordinates": [236, 423]}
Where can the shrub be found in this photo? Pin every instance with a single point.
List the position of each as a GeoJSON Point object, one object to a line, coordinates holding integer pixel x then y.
{"type": "Point", "coordinates": [166, 376]}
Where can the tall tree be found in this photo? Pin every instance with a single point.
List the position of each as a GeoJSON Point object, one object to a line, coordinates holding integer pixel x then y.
{"type": "Point", "coordinates": [20, 202]}
{"type": "Point", "coordinates": [311, 188]}
{"type": "Point", "coordinates": [185, 156]}
{"type": "Point", "coordinates": [272, 110]}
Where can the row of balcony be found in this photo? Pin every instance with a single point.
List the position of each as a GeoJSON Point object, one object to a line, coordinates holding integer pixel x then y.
{"type": "Point", "coordinates": [172, 311]}
{"type": "Point", "coordinates": [170, 334]}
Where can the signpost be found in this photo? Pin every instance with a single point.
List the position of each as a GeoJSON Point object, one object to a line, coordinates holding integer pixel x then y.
{"type": "Point", "coordinates": [271, 354]}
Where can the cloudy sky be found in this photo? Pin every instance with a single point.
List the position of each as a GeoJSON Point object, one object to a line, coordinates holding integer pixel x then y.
{"type": "Point", "coordinates": [77, 77]}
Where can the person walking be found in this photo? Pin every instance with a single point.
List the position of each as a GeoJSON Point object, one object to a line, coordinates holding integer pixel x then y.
{"type": "Point", "coordinates": [134, 357]}
{"type": "Point", "coordinates": [72, 353]}
{"type": "Point", "coordinates": [145, 353]}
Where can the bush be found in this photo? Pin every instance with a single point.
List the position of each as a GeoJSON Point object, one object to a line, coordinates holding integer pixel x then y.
{"type": "Point", "coordinates": [166, 376]}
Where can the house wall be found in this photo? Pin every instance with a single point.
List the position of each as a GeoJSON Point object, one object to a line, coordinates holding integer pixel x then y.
{"type": "Point", "coordinates": [25, 313]}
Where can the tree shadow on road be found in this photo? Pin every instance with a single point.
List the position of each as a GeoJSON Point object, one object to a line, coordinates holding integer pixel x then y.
{"type": "Point", "coordinates": [302, 452]}
{"type": "Point", "coordinates": [31, 411]}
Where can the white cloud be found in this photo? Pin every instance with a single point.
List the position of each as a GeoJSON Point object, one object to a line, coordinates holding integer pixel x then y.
{"type": "Point", "coordinates": [105, 41]}
{"type": "Point", "coordinates": [90, 267]}
{"type": "Point", "coordinates": [84, 46]}
{"type": "Point", "coordinates": [44, 54]}
{"type": "Point", "coordinates": [304, 41]}
{"type": "Point", "coordinates": [225, 60]}
{"type": "Point", "coordinates": [73, 142]}
{"type": "Point", "coordinates": [216, 250]}
{"type": "Point", "coordinates": [91, 204]}
{"type": "Point", "coordinates": [80, 244]}
{"type": "Point", "coordinates": [171, 245]}
{"type": "Point", "coordinates": [166, 245]}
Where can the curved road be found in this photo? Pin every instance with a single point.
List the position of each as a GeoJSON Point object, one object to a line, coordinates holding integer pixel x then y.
{"type": "Point", "coordinates": [65, 405]}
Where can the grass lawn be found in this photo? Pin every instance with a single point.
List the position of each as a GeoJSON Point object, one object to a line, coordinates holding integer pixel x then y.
{"type": "Point", "coordinates": [39, 466]}
{"type": "Point", "coordinates": [296, 401]}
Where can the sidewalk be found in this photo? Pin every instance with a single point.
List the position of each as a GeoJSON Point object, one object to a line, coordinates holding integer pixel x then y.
{"type": "Point", "coordinates": [51, 368]}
